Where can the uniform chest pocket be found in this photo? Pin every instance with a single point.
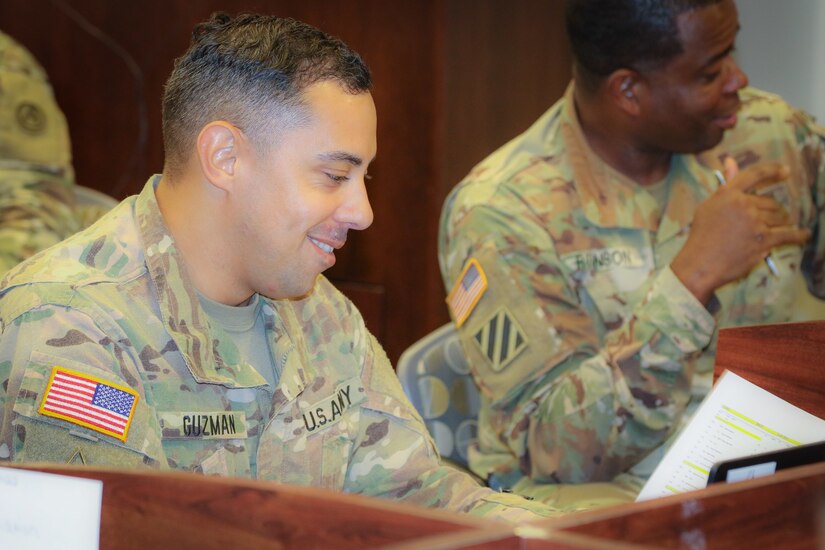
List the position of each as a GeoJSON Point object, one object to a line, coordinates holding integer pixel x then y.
{"type": "Point", "coordinates": [311, 442]}
{"type": "Point", "coordinates": [207, 442]}
{"type": "Point", "coordinates": [612, 277]}
{"type": "Point", "coordinates": [318, 458]}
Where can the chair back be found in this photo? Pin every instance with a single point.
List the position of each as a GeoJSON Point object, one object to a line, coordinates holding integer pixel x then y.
{"type": "Point", "coordinates": [436, 378]}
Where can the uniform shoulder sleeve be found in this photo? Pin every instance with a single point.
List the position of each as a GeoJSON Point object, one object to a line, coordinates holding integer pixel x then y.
{"type": "Point", "coordinates": [55, 363]}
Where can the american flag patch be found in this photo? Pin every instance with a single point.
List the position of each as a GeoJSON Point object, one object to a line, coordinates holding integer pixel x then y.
{"type": "Point", "coordinates": [467, 291]}
{"type": "Point", "coordinates": [85, 400]}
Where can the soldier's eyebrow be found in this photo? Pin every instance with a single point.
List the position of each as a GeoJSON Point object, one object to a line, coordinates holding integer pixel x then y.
{"type": "Point", "coordinates": [336, 156]}
{"type": "Point", "coordinates": [724, 53]}
{"type": "Point", "coordinates": [721, 55]}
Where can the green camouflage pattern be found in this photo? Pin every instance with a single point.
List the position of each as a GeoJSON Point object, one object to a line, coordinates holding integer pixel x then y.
{"type": "Point", "coordinates": [32, 126]}
{"type": "Point", "coordinates": [37, 210]}
{"type": "Point", "coordinates": [115, 302]}
{"type": "Point", "coordinates": [613, 349]}
{"type": "Point", "coordinates": [37, 205]}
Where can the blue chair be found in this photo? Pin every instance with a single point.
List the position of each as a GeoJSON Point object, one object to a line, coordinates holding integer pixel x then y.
{"type": "Point", "coordinates": [436, 378]}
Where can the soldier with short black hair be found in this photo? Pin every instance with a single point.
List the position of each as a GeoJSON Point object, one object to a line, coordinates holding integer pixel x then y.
{"type": "Point", "coordinates": [191, 328]}
{"type": "Point", "coordinates": [591, 261]}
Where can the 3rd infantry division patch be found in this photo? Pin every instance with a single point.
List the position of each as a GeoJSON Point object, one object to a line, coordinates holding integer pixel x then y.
{"type": "Point", "coordinates": [500, 339]}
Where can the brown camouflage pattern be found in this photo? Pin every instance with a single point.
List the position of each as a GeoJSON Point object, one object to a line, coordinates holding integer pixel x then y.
{"type": "Point", "coordinates": [577, 255]}
{"type": "Point", "coordinates": [37, 203]}
{"type": "Point", "coordinates": [115, 301]}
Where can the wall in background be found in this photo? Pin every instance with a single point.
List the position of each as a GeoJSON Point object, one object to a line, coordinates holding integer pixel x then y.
{"type": "Point", "coordinates": [782, 48]}
{"type": "Point", "coordinates": [454, 79]}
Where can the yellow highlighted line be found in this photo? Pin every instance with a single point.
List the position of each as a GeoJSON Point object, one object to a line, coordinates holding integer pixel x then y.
{"type": "Point", "coordinates": [695, 467]}
{"type": "Point", "coordinates": [761, 426]}
{"type": "Point", "coordinates": [672, 489]}
{"type": "Point", "coordinates": [735, 427]}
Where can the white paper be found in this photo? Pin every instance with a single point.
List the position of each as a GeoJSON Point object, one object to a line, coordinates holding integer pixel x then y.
{"type": "Point", "coordinates": [40, 510]}
{"type": "Point", "coordinates": [735, 420]}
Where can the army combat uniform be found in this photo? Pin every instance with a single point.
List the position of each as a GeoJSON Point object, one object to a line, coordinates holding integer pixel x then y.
{"type": "Point", "coordinates": [587, 348]}
{"type": "Point", "coordinates": [37, 201]}
{"type": "Point", "coordinates": [107, 357]}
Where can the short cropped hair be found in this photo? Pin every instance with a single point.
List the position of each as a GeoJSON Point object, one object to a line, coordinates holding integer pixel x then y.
{"type": "Point", "coordinates": [606, 35]}
{"type": "Point", "coordinates": [250, 71]}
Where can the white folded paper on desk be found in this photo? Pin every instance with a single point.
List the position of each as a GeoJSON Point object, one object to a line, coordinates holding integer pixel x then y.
{"type": "Point", "coordinates": [40, 510]}
{"type": "Point", "coordinates": [736, 419]}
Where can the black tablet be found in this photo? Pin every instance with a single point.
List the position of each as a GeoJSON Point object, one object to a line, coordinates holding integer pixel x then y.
{"type": "Point", "coordinates": [764, 464]}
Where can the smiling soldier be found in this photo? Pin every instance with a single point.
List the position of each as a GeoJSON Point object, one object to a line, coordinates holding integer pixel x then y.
{"type": "Point", "coordinates": [191, 329]}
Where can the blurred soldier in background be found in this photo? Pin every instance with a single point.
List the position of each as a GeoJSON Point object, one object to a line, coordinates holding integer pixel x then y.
{"type": "Point", "coordinates": [37, 192]}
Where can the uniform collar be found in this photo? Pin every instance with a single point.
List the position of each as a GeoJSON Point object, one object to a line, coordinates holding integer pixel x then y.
{"type": "Point", "coordinates": [200, 344]}
{"type": "Point", "coordinates": [611, 199]}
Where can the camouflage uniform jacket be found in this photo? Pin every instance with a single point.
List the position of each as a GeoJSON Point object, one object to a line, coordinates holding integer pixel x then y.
{"type": "Point", "coordinates": [585, 345]}
{"type": "Point", "coordinates": [37, 209]}
{"type": "Point", "coordinates": [114, 305]}
{"type": "Point", "coordinates": [37, 202]}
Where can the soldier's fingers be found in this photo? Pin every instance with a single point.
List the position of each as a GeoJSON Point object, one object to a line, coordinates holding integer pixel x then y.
{"type": "Point", "coordinates": [774, 218]}
{"type": "Point", "coordinates": [766, 172]}
{"type": "Point", "coordinates": [731, 168]}
{"type": "Point", "coordinates": [787, 234]}
{"type": "Point", "coordinates": [765, 203]}
{"type": "Point", "coordinates": [769, 211]}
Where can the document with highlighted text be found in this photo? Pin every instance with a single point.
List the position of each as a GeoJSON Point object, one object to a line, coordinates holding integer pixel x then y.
{"type": "Point", "coordinates": [736, 419]}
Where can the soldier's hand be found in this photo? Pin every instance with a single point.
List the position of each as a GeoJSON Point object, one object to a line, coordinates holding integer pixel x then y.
{"type": "Point", "coordinates": [734, 229]}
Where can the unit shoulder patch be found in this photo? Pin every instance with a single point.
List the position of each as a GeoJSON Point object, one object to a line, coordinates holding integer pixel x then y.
{"type": "Point", "coordinates": [500, 339]}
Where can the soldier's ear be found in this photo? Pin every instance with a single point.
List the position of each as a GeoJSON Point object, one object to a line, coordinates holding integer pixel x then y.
{"type": "Point", "coordinates": [623, 87]}
{"type": "Point", "coordinates": [218, 145]}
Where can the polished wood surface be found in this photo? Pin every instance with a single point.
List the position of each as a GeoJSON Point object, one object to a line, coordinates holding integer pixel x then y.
{"type": "Point", "coordinates": [454, 79]}
{"type": "Point", "coordinates": [520, 538]}
{"type": "Point", "coordinates": [785, 510]}
{"type": "Point", "coordinates": [149, 509]}
{"type": "Point", "coordinates": [786, 359]}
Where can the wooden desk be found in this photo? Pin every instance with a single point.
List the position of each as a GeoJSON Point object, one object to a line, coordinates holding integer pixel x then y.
{"type": "Point", "coordinates": [786, 359]}
{"type": "Point", "coordinates": [785, 511]}
{"type": "Point", "coordinates": [781, 511]}
{"type": "Point", "coordinates": [147, 509]}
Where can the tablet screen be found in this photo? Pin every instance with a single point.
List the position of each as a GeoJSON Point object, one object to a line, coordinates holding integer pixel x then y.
{"type": "Point", "coordinates": [764, 464]}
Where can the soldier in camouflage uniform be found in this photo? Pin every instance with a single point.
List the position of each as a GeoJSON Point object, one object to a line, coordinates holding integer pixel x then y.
{"type": "Point", "coordinates": [591, 261]}
{"type": "Point", "coordinates": [190, 328]}
{"type": "Point", "coordinates": [37, 204]}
